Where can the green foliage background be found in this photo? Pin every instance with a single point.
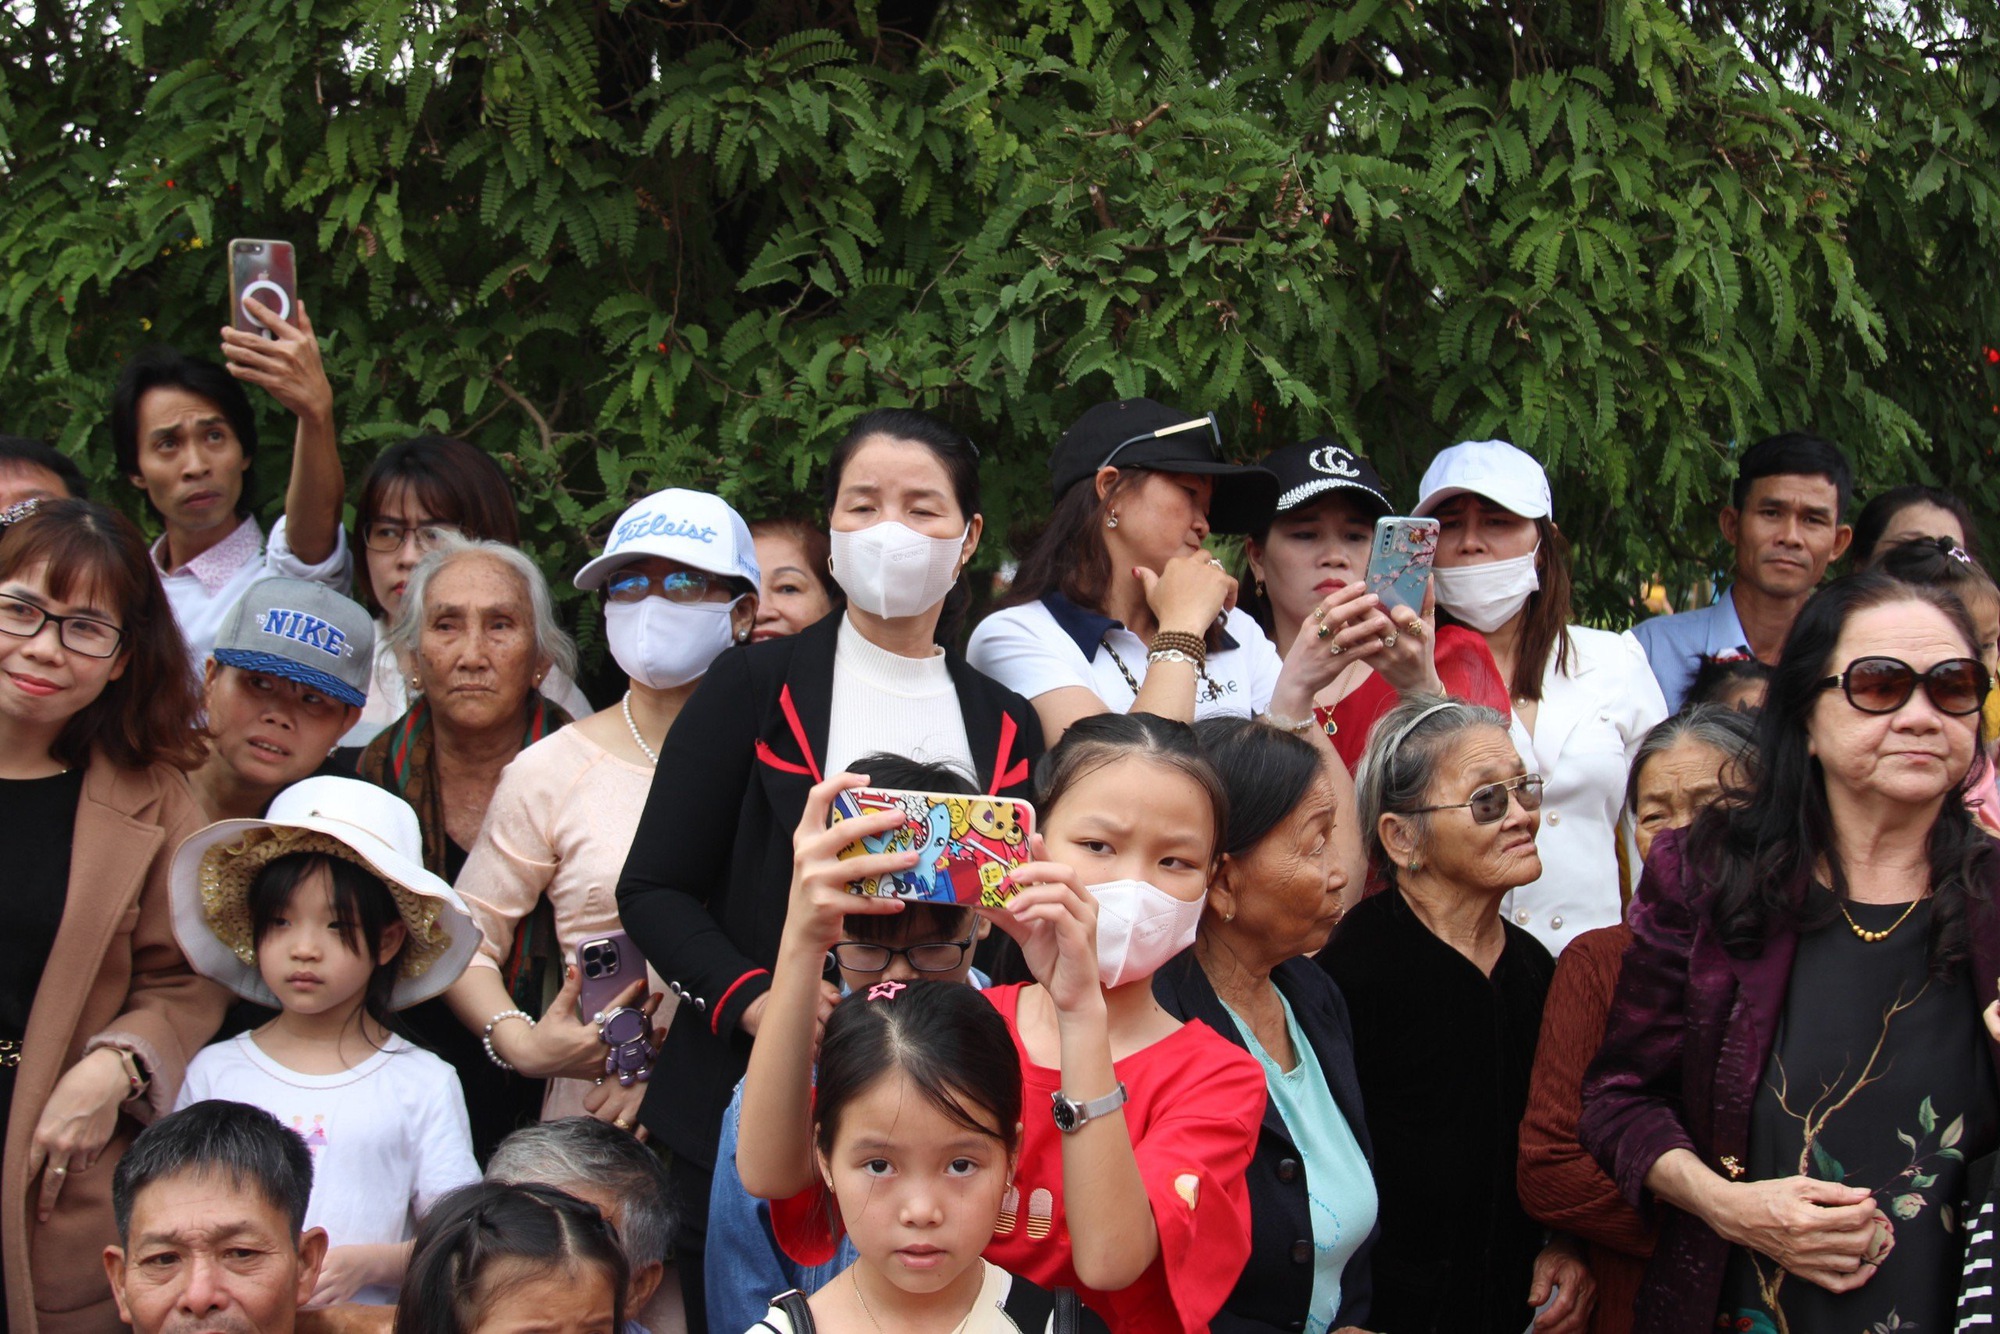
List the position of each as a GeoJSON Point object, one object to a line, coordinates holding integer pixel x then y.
{"type": "Point", "coordinates": [628, 243]}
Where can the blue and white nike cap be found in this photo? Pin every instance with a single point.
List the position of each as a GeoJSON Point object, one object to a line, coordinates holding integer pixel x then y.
{"type": "Point", "coordinates": [301, 632]}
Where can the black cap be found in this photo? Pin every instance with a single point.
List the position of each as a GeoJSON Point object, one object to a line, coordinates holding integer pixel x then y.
{"type": "Point", "coordinates": [1140, 433]}
{"type": "Point", "coordinates": [1308, 470]}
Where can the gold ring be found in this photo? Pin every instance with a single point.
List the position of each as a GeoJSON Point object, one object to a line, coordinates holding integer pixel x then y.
{"type": "Point", "coordinates": [1389, 640]}
{"type": "Point", "coordinates": [1319, 613]}
{"type": "Point", "coordinates": [1415, 627]}
{"type": "Point", "coordinates": [1334, 649]}
{"type": "Point", "coordinates": [622, 1123]}
{"type": "Point", "coordinates": [1324, 630]}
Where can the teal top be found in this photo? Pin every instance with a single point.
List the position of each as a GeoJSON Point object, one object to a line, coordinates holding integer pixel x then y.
{"type": "Point", "coordinates": [1340, 1190]}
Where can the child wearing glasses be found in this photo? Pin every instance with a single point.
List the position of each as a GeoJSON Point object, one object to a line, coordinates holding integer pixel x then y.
{"type": "Point", "coordinates": [743, 1265]}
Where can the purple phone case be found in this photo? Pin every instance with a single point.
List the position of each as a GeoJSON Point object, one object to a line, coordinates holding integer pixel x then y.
{"type": "Point", "coordinates": [614, 961]}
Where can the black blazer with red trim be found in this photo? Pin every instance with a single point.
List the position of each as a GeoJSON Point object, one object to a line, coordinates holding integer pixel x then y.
{"type": "Point", "coordinates": [705, 886]}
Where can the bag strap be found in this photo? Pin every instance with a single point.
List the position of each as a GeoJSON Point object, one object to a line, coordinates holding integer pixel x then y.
{"type": "Point", "coordinates": [793, 1304]}
{"type": "Point", "coordinates": [1069, 1312]}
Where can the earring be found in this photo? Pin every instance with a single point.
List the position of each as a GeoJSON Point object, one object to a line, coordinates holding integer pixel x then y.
{"type": "Point", "coordinates": [742, 636]}
{"type": "Point", "coordinates": [1260, 585]}
{"type": "Point", "coordinates": [1229, 917]}
{"type": "Point", "coordinates": [1415, 866]}
{"type": "Point", "coordinates": [1112, 522]}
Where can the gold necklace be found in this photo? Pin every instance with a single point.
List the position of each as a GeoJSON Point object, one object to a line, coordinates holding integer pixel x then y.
{"type": "Point", "coordinates": [1871, 937]}
{"type": "Point", "coordinates": [862, 1297]}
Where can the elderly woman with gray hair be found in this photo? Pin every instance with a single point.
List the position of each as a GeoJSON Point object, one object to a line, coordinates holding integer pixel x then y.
{"type": "Point", "coordinates": [479, 627]}
{"type": "Point", "coordinates": [1446, 1001]}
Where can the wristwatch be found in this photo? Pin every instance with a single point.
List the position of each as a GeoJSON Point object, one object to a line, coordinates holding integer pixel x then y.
{"type": "Point", "coordinates": [1071, 1115]}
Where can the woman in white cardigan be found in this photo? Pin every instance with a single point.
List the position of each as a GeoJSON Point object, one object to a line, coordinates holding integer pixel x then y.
{"type": "Point", "coordinates": [1582, 699]}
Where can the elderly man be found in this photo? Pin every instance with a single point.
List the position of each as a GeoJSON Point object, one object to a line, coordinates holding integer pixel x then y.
{"type": "Point", "coordinates": [211, 1205]}
{"type": "Point", "coordinates": [606, 1167]}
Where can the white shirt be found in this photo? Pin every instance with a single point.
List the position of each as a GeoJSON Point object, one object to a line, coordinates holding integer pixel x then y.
{"type": "Point", "coordinates": [1587, 727]}
{"type": "Point", "coordinates": [1052, 643]}
{"type": "Point", "coordinates": [202, 591]}
{"type": "Point", "coordinates": [389, 693]}
{"type": "Point", "coordinates": [885, 702]}
{"type": "Point", "coordinates": [388, 1137]}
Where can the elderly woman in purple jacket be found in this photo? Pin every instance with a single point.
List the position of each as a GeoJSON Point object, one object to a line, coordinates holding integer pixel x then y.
{"type": "Point", "coordinates": [1795, 1072]}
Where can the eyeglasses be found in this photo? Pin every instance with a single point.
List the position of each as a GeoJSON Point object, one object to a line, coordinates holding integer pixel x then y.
{"type": "Point", "coordinates": [1956, 686]}
{"type": "Point", "coordinates": [680, 586]}
{"type": "Point", "coordinates": [934, 957]}
{"type": "Point", "coordinates": [79, 634]}
{"type": "Point", "coordinates": [1208, 420]}
{"type": "Point", "coordinates": [1489, 804]}
{"type": "Point", "coordinates": [382, 535]}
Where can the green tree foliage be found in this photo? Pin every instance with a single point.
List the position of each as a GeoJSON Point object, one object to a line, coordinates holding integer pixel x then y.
{"type": "Point", "coordinates": [627, 243]}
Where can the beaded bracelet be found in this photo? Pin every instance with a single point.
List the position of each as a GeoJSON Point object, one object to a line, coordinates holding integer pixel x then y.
{"type": "Point", "coordinates": [1193, 646]}
{"type": "Point", "coordinates": [486, 1039]}
{"type": "Point", "coordinates": [1280, 721]}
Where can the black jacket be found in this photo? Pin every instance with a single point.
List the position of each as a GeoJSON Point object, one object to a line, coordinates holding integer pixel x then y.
{"type": "Point", "coordinates": [1275, 1290]}
{"type": "Point", "coordinates": [706, 883]}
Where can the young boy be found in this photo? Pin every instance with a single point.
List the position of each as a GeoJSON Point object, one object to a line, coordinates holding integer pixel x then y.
{"type": "Point", "coordinates": [743, 1266]}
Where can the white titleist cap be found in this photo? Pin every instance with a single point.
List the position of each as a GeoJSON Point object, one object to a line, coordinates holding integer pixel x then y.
{"type": "Point", "coordinates": [692, 527]}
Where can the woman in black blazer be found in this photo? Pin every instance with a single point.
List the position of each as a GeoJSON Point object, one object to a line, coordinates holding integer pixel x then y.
{"type": "Point", "coordinates": [1274, 900]}
{"type": "Point", "coordinates": [705, 886]}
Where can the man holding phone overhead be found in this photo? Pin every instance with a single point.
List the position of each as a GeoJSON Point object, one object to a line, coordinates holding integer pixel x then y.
{"type": "Point", "coordinates": [184, 432]}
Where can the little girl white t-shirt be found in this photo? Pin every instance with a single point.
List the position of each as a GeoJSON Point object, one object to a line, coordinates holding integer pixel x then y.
{"type": "Point", "coordinates": [388, 1137]}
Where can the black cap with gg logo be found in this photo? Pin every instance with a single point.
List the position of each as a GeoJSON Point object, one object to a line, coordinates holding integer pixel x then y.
{"type": "Point", "coordinates": [1308, 470]}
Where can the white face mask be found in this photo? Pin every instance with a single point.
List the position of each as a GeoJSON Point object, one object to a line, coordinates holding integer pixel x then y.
{"type": "Point", "coordinates": [891, 570]}
{"type": "Point", "coordinates": [1139, 928]}
{"type": "Point", "coordinates": [665, 644]}
{"type": "Point", "coordinates": [1487, 596]}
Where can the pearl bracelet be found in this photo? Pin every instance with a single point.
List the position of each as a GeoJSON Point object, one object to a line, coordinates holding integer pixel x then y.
{"type": "Point", "coordinates": [486, 1039]}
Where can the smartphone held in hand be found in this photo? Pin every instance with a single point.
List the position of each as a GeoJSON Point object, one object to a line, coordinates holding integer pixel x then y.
{"type": "Point", "coordinates": [966, 845]}
{"type": "Point", "coordinates": [1399, 564]}
{"type": "Point", "coordinates": [263, 271]}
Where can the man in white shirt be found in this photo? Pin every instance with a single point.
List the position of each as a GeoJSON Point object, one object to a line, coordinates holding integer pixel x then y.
{"type": "Point", "coordinates": [183, 431]}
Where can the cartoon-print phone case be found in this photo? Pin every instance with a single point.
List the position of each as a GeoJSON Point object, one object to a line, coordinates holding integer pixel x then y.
{"type": "Point", "coordinates": [966, 844]}
{"type": "Point", "coordinates": [1399, 564]}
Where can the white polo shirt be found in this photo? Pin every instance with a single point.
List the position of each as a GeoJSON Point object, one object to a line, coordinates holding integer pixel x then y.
{"type": "Point", "coordinates": [202, 591]}
{"type": "Point", "coordinates": [1045, 645]}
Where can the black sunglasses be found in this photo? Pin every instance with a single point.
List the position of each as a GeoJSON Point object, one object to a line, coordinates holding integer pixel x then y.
{"type": "Point", "coordinates": [1956, 686]}
{"type": "Point", "coordinates": [1489, 804]}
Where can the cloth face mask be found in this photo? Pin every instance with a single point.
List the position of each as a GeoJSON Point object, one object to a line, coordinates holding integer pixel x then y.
{"type": "Point", "coordinates": [891, 570]}
{"type": "Point", "coordinates": [665, 644]}
{"type": "Point", "coordinates": [1139, 927]}
{"type": "Point", "coordinates": [1487, 596]}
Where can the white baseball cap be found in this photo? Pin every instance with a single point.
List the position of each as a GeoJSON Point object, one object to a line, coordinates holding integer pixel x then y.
{"type": "Point", "coordinates": [693, 527]}
{"type": "Point", "coordinates": [1509, 477]}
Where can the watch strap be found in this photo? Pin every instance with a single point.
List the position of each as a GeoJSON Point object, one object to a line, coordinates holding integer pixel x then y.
{"type": "Point", "coordinates": [1081, 1114]}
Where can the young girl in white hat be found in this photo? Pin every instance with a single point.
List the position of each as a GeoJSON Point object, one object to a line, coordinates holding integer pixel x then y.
{"type": "Point", "coordinates": [324, 910]}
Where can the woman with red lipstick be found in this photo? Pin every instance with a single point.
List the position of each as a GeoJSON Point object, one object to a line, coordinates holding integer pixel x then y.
{"type": "Point", "coordinates": [1314, 553]}
{"type": "Point", "coordinates": [99, 1011]}
{"type": "Point", "coordinates": [414, 491]}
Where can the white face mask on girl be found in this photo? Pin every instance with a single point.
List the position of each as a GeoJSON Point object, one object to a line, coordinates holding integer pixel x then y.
{"type": "Point", "coordinates": [665, 644]}
{"type": "Point", "coordinates": [1139, 928]}
{"type": "Point", "coordinates": [1487, 596]}
{"type": "Point", "coordinates": [891, 570]}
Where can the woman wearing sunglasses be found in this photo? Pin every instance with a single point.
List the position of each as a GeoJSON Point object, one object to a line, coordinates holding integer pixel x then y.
{"type": "Point", "coordinates": [415, 493]}
{"type": "Point", "coordinates": [679, 577]}
{"type": "Point", "coordinates": [1795, 1060]}
{"type": "Point", "coordinates": [1446, 1001]}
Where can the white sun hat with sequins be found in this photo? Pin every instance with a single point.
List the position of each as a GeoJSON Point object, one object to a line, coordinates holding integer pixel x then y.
{"type": "Point", "coordinates": [340, 817]}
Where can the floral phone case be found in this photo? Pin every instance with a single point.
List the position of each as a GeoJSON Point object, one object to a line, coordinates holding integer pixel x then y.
{"type": "Point", "coordinates": [1399, 564]}
{"type": "Point", "coordinates": [967, 844]}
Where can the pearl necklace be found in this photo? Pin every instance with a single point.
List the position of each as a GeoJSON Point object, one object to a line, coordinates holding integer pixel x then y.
{"type": "Point", "coordinates": [652, 756]}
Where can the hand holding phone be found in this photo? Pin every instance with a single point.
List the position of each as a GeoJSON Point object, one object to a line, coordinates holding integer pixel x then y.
{"type": "Point", "coordinates": [965, 845]}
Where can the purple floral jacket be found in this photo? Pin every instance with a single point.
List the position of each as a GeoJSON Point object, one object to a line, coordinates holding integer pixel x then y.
{"type": "Point", "coordinates": [1690, 1033]}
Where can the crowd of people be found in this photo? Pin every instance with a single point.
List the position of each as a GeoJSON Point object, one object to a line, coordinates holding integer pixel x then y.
{"type": "Point", "coordinates": [1418, 969]}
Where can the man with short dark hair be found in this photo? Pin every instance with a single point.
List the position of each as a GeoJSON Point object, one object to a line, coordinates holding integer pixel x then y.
{"type": "Point", "coordinates": [183, 432]}
{"type": "Point", "coordinates": [211, 1207]}
{"type": "Point", "coordinates": [1785, 519]}
{"type": "Point", "coordinates": [31, 470]}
